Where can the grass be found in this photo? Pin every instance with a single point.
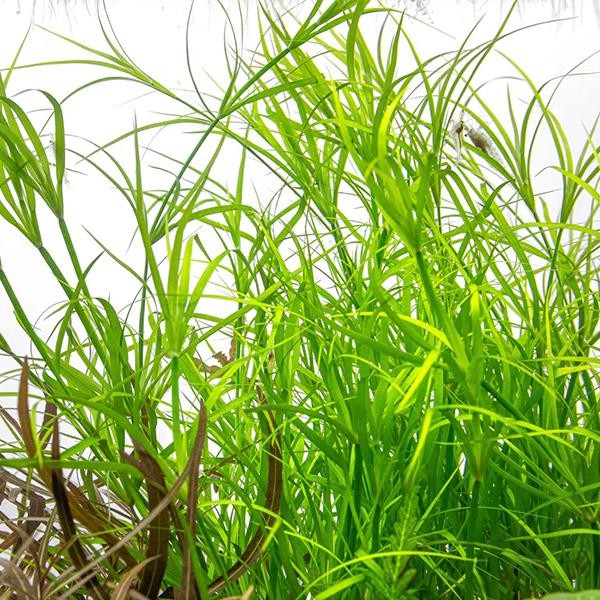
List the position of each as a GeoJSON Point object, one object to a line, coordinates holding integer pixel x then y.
{"type": "Point", "coordinates": [403, 397]}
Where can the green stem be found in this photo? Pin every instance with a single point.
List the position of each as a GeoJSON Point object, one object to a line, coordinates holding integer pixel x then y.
{"type": "Point", "coordinates": [73, 256]}
{"type": "Point", "coordinates": [78, 307]}
{"type": "Point", "coordinates": [473, 536]}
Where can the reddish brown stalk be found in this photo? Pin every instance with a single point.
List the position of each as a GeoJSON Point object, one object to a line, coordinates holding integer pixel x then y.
{"type": "Point", "coordinates": [272, 503]}
{"type": "Point", "coordinates": [25, 419]}
{"type": "Point", "coordinates": [158, 527]}
{"type": "Point", "coordinates": [189, 589]}
{"type": "Point", "coordinates": [274, 483]}
{"type": "Point", "coordinates": [150, 469]}
{"type": "Point", "coordinates": [158, 530]}
{"type": "Point", "coordinates": [67, 523]}
{"type": "Point", "coordinates": [49, 415]}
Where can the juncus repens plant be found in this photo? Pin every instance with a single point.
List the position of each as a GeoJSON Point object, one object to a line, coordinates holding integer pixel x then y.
{"type": "Point", "coordinates": [378, 382]}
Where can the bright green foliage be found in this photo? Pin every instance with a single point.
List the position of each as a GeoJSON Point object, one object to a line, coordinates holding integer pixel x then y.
{"type": "Point", "coordinates": [409, 408]}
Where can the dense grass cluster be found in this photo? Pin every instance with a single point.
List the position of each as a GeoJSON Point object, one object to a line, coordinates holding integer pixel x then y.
{"type": "Point", "coordinates": [403, 396]}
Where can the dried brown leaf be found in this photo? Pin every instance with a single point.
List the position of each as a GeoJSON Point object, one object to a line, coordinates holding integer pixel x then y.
{"type": "Point", "coordinates": [13, 577]}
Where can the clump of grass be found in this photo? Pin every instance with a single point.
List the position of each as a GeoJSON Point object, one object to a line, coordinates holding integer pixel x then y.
{"type": "Point", "coordinates": [409, 406]}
